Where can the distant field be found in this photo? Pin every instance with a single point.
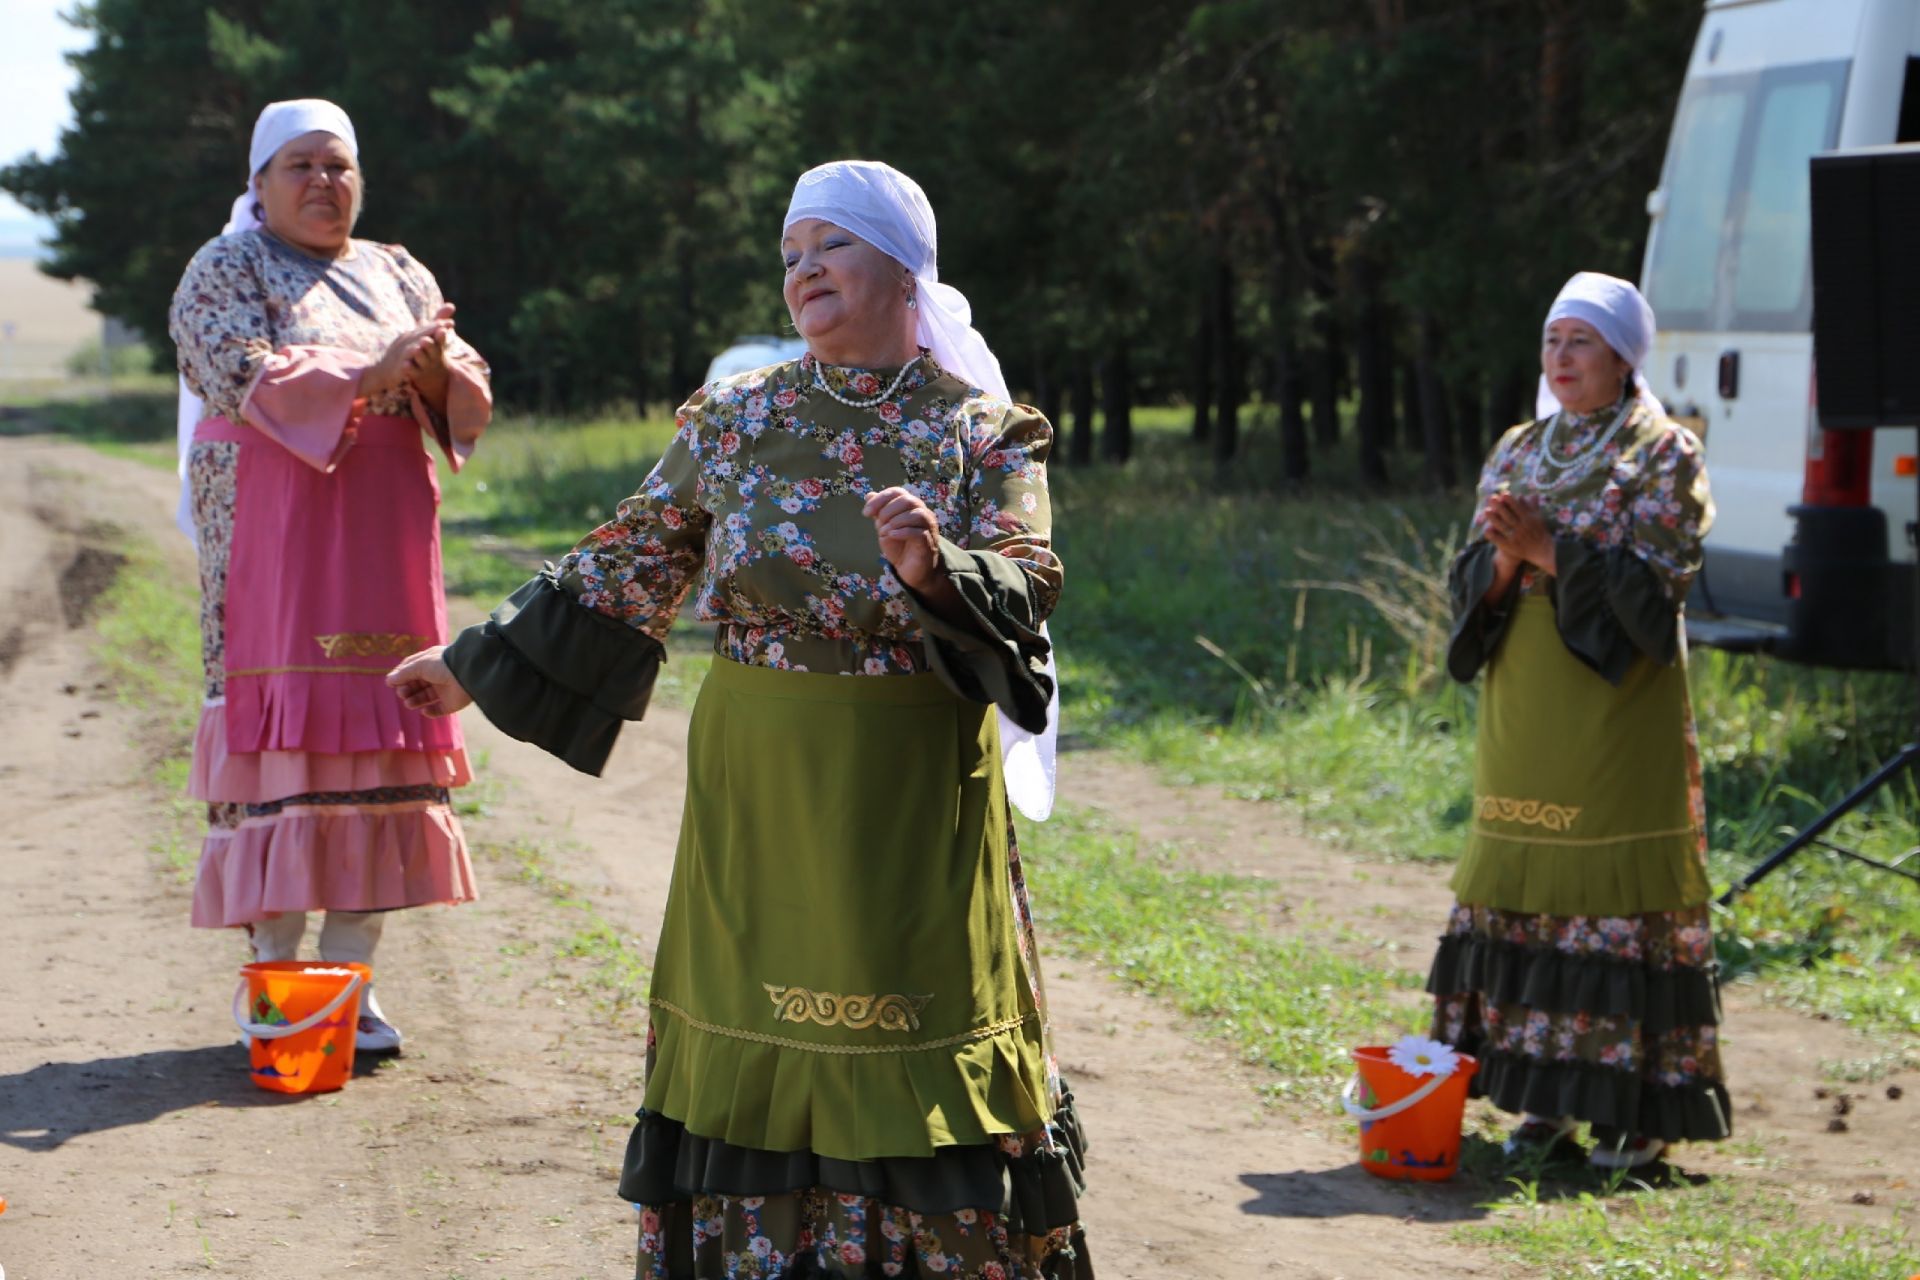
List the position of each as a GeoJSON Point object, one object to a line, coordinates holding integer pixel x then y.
{"type": "Point", "coordinates": [50, 320]}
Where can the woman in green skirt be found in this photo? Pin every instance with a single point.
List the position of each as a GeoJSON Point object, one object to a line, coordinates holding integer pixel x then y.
{"type": "Point", "coordinates": [1578, 964]}
{"type": "Point", "coordinates": [848, 1071]}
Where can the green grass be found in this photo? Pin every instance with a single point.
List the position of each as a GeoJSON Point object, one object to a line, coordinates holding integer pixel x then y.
{"type": "Point", "coordinates": [1701, 1233]}
{"type": "Point", "coordinates": [599, 960]}
{"type": "Point", "coordinates": [1288, 1003]}
{"type": "Point", "coordinates": [135, 419]}
{"type": "Point", "coordinates": [148, 645]}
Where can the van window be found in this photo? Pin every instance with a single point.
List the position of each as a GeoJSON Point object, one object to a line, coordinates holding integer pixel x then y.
{"type": "Point", "coordinates": [1686, 254]}
{"type": "Point", "coordinates": [1731, 249]}
{"type": "Point", "coordinates": [1798, 114]}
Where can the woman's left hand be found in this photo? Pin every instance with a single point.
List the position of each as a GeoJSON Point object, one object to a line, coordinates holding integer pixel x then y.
{"type": "Point", "coordinates": [425, 683]}
{"type": "Point", "coordinates": [909, 535]}
{"type": "Point", "coordinates": [1515, 526]}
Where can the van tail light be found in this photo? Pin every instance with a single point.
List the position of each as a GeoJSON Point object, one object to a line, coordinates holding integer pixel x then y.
{"type": "Point", "coordinates": [1839, 463]}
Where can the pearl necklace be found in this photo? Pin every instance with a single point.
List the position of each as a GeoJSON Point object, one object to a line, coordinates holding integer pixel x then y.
{"type": "Point", "coordinates": [820, 381]}
{"type": "Point", "coordinates": [1566, 471]}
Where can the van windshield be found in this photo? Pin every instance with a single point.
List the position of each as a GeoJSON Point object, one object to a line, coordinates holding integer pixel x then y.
{"type": "Point", "coordinates": [1731, 249]}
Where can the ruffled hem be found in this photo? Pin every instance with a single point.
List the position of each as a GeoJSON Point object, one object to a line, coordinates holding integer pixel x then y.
{"type": "Point", "coordinates": [252, 777]}
{"type": "Point", "coordinates": [1604, 1096]}
{"type": "Point", "coordinates": [847, 1106]}
{"type": "Point", "coordinates": [1033, 1194]}
{"type": "Point", "coordinates": [336, 712]}
{"type": "Point", "coordinates": [361, 858]}
{"type": "Point", "coordinates": [1635, 877]}
{"type": "Point", "coordinates": [1503, 973]}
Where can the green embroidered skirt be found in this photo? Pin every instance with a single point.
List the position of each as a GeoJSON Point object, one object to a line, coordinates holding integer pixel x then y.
{"type": "Point", "coordinates": [1582, 802]}
{"type": "Point", "coordinates": [839, 972]}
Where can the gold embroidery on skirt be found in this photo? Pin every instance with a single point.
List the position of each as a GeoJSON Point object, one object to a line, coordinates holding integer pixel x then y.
{"type": "Point", "coordinates": [830, 1009]}
{"type": "Point", "coordinates": [1532, 813]}
{"type": "Point", "coordinates": [370, 644]}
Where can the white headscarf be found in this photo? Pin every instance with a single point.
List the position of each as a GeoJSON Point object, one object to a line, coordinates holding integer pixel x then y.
{"type": "Point", "coordinates": [889, 211]}
{"type": "Point", "coordinates": [278, 125]}
{"type": "Point", "coordinates": [1615, 308]}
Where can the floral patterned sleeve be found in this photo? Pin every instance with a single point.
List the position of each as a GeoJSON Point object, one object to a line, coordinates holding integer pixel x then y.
{"type": "Point", "coordinates": [219, 324]}
{"type": "Point", "coordinates": [1672, 510]}
{"type": "Point", "coordinates": [638, 566]}
{"type": "Point", "coordinates": [1008, 503]}
{"type": "Point", "coordinates": [1006, 574]}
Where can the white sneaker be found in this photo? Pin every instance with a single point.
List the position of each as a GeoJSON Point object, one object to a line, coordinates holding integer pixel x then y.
{"type": "Point", "coordinates": [1629, 1154]}
{"type": "Point", "coordinates": [374, 1034]}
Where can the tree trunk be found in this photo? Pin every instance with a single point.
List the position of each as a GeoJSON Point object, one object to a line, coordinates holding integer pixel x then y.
{"type": "Point", "coordinates": [1323, 366]}
{"type": "Point", "coordinates": [1412, 425]}
{"type": "Point", "coordinates": [1469, 412]}
{"type": "Point", "coordinates": [1050, 392]}
{"type": "Point", "coordinates": [1226, 423]}
{"type": "Point", "coordinates": [1288, 387]}
{"type": "Point", "coordinates": [1432, 396]}
{"type": "Point", "coordinates": [1080, 395]}
{"type": "Point", "coordinates": [1116, 399]}
{"type": "Point", "coordinates": [1373, 353]}
{"type": "Point", "coordinates": [1203, 345]}
{"type": "Point", "coordinates": [1515, 404]}
{"type": "Point", "coordinates": [1290, 391]}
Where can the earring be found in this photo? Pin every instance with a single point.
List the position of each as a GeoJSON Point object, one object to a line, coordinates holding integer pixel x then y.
{"type": "Point", "coordinates": [913, 302]}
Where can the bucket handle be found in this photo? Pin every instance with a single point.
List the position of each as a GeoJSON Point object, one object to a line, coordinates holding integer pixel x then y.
{"type": "Point", "coordinates": [270, 1031]}
{"type": "Point", "coordinates": [1369, 1115]}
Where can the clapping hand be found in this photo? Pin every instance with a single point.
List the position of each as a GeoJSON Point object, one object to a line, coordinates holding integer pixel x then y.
{"type": "Point", "coordinates": [395, 368]}
{"type": "Point", "coordinates": [1519, 534]}
{"type": "Point", "coordinates": [427, 365]}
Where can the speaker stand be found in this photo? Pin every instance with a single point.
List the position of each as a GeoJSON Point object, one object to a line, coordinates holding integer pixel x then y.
{"type": "Point", "coordinates": [1814, 836]}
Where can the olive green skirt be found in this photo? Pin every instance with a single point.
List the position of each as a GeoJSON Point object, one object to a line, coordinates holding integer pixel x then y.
{"type": "Point", "coordinates": [1581, 789]}
{"type": "Point", "coordinates": [838, 970]}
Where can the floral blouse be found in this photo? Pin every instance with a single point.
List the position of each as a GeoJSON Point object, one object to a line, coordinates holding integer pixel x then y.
{"type": "Point", "coordinates": [248, 295]}
{"type": "Point", "coordinates": [1645, 492]}
{"type": "Point", "coordinates": [758, 499]}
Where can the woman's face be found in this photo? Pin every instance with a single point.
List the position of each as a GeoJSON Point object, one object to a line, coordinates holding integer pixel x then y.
{"type": "Point", "coordinates": [843, 292]}
{"type": "Point", "coordinates": [310, 192]}
{"type": "Point", "coordinates": [1582, 371]}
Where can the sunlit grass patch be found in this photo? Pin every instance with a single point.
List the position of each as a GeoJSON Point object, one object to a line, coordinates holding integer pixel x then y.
{"type": "Point", "coordinates": [1703, 1233]}
{"type": "Point", "coordinates": [147, 642]}
{"type": "Point", "coordinates": [595, 956]}
{"type": "Point", "coordinates": [1290, 1005]}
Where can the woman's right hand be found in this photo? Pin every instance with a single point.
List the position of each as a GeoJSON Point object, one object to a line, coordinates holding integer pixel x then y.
{"type": "Point", "coordinates": [425, 683]}
{"type": "Point", "coordinates": [390, 371]}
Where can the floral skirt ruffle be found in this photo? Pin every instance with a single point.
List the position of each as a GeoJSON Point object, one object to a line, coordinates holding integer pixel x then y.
{"type": "Point", "coordinates": [1611, 1020]}
{"type": "Point", "coordinates": [713, 1211]}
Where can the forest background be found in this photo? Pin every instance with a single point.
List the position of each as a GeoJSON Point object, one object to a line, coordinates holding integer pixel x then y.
{"type": "Point", "coordinates": [1335, 220]}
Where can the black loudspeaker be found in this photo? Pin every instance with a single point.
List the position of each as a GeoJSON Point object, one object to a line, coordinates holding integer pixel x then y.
{"type": "Point", "coordinates": [1866, 286]}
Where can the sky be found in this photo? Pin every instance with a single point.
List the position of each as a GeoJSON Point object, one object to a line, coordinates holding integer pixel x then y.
{"type": "Point", "coordinates": [34, 80]}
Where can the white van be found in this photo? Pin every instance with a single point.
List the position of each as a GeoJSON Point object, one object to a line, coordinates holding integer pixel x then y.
{"type": "Point", "coordinates": [1771, 83]}
{"type": "Point", "coordinates": [755, 351]}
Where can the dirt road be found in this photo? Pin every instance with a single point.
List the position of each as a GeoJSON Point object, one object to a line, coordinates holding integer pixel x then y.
{"type": "Point", "coordinates": [132, 1144]}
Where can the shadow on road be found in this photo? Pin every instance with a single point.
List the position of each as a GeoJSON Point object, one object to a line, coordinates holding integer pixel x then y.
{"type": "Point", "coordinates": [55, 1102]}
{"type": "Point", "coordinates": [1347, 1192]}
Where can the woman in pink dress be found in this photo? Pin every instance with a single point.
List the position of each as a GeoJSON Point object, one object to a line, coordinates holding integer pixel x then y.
{"type": "Point", "coordinates": [315, 368]}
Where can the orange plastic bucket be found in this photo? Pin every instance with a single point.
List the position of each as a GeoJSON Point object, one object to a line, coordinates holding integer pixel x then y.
{"type": "Point", "coordinates": [1409, 1125]}
{"type": "Point", "coordinates": [300, 1018]}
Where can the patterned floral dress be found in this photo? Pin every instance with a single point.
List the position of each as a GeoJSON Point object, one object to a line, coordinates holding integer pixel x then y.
{"type": "Point", "coordinates": [915, 1131]}
{"type": "Point", "coordinates": [315, 521]}
{"type": "Point", "coordinates": [1578, 963]}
